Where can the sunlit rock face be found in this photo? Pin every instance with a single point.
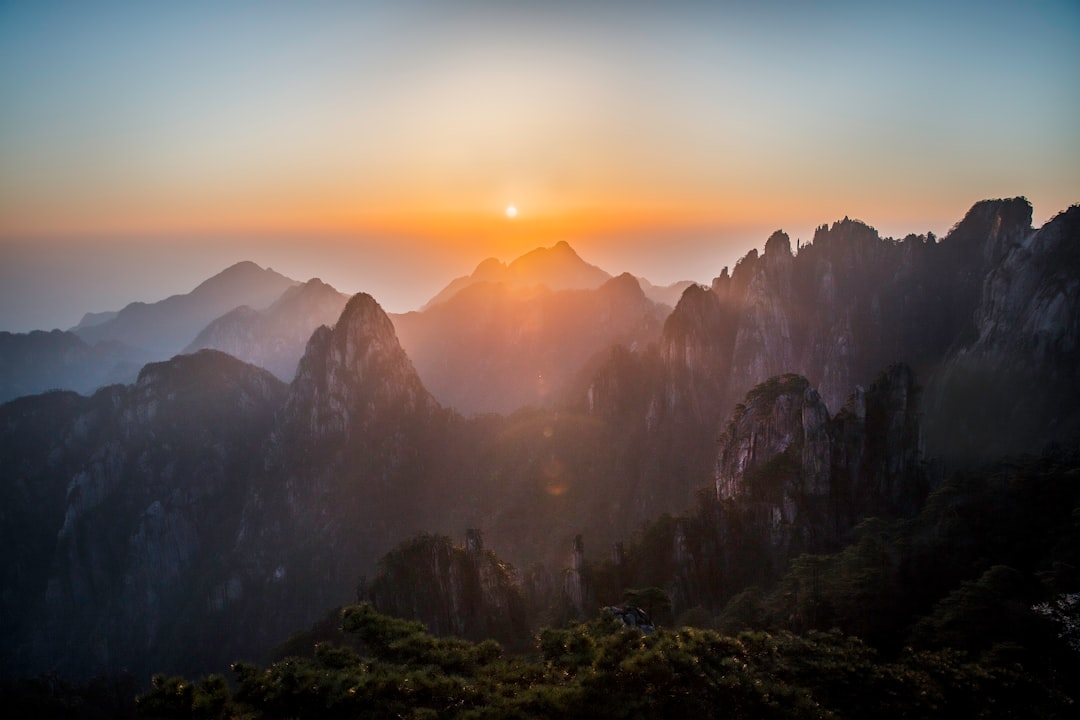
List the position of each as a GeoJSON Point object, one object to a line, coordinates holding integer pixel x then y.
{"type": "Point", "coordinates": [764, 343]}
{"type": "Point", "coordinates": [807, 477]}
{"type": "Point", "coordinates": [153, 476]}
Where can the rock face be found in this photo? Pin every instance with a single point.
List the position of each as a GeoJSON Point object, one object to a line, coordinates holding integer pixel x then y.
{"type": "Point", "coordinates": [808, 478]}
{"type": "Point", "coordinates": [1016, 383]}
{"type": "Point", "coordinates": [348, 466]}
{"type": "Point", "coordinates": [985, 318]}
{"type": "Point", "coordinates": [146, 482]}
{"type": "Point", "coordinates": [274, 338]}
{"type": "Point", "coordinates": [459, 591]}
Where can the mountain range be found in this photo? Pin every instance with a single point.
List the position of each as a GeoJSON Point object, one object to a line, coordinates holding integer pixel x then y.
{"type": "Point", "coordinates": [207, 510]}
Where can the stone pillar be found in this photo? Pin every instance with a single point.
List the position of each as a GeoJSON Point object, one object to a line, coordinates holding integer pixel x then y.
{"type": "Point", "coordinates": [474, 543]}
{"type": "Point", "coordinates": [618, 555]}
{"type": "Point", "coordinates": [574, 581]}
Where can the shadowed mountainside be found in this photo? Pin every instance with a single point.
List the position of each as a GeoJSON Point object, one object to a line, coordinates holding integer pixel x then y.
{"type": "Point", "coordinates": [274, 338]}
{"type": "Point", "coordinates": [38, 361]}
{"type": "Point", "coordinates": [493, 347]}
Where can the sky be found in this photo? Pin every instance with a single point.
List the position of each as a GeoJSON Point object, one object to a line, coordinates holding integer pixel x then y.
{"type": "Point", "coordinates": [145, 146]}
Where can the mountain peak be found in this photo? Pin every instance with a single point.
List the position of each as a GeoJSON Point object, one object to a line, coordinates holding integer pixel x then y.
{"type": "Point", "coordinates": [557, 267]}
{"type": "Point", "coordinates": [244, 271]}
{"type": "Point", "coordinates": [165, 327]}
{"type": "Point", "coordinates": [351, 374]}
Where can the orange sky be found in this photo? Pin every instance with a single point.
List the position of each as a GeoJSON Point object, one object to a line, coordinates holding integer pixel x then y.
{"type": "Point", "coordinates": [665, 140]}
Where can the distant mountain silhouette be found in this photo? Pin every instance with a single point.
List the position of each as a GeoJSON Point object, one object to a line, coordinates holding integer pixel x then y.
{"type": "Point", "coordinates": [665, 294]}
{"type": "Point", "coordinates": [497, 347]}
{"type": "Point", "coordinates": [274, 338]}
{"type": "Point", "coordinates": [165, 327]}
{"type": "Point", "coordinates": [34, 362]}
{"type": "Point", "coordinates": [94, 318]}
{"type": "Point", "coordinates": [558, 267]}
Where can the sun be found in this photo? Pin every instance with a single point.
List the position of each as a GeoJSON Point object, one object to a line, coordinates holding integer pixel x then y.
{"type": "Point", "coordinates": [511, 212]}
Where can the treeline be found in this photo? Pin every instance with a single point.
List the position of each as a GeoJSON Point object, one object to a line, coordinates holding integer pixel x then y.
{"type": "Point", "coordinates": [392, 668]}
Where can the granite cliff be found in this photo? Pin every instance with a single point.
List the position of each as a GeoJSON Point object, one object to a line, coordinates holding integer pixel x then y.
{"type": "Point", "coordinates": [126, 506]}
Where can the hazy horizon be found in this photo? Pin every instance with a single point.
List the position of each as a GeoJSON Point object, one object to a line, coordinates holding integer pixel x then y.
{"type": "Point", "coordinates": [144, 148]}
{"type": "Point", "coordinates": [110, 274]}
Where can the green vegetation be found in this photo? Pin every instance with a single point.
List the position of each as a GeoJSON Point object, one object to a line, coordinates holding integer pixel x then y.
{"type": "Point", "coordinates": [604, 670]}
{"type": "Point", "coordinates": [765, 394]}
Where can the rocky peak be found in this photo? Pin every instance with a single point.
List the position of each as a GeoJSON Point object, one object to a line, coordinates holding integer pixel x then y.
{"type": "Point", "coordinates": [1014, 386]}
{"type": "Point", "coordinates": [557, 268]}
{"type": "Point", "coordinates": [694, 315]}
{"type": "Point", "coordinates": [464, 591]}
{"type": "Point", "coordinates": [489, 269]}
{"type": "Point", "coordinates": [778, 245]}
{"type": "Point", "coordinates": [990, 228]}
{"type": "Point", "coordinates": [721, 284]}
{"type": "Point", "coordinates": [764, 445]}
{"type": "Point", "coordinates": [625, 288]}
{"type": "Point", "coordinates": [206, 379]}
{"type": "Point", "coordinates": [696, 342]}
{"type": "Point", "coordinates": [154, 472]}
{"type": "Point", "coordinates": [354, 374]}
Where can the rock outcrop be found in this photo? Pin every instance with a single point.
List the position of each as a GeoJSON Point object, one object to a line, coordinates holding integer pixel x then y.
{"type": "Point", "coordinates": [1015, 384]}
{"type": "Point", "coordinates": [808, 477]}
{"type": "Point", "coordinates": [986, 317]}
{"type": "Point", "coordinates": [464, 591]}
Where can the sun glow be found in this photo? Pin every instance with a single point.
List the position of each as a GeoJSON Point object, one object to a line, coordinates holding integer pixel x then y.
{"type": "Point", "coordinates": [511, 212]}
